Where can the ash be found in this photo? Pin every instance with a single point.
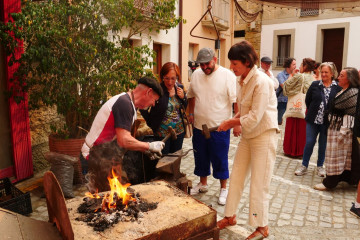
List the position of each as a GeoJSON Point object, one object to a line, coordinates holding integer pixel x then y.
{"type": "Point", "coordinates": [100, 218]}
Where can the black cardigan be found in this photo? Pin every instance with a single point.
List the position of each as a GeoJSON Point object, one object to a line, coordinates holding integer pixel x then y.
{"type": "Point", "coordinates": [156, 114]}
{"type": "Point", "coordinates": [313, 100]}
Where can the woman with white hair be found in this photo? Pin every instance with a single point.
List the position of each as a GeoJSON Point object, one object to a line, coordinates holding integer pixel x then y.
{"type": "Point", "coordinates": [317, 99]}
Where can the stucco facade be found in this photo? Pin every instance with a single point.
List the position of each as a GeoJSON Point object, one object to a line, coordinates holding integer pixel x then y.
{"type": "Point", "coordinates": [307, 32]}
{"type": "Point", "coordinates": [192, 11]}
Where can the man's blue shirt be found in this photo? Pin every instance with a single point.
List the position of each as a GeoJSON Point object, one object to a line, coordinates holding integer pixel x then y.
{"type": "Point", "coordinates": [282, 77]}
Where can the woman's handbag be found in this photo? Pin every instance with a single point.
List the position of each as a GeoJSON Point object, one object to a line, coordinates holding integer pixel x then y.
{"type": "Point", "coordinates": [296, 106]}
{"type": "Point", "coordinates": [187, 126]}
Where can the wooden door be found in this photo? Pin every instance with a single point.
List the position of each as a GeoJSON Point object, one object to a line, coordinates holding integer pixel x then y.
{"type": "Point", "coordinates": [158, 50]}
{"type": "Point", "coordinates": [22, 166]}
{"type": "Point", "coordinates": [333, 47]}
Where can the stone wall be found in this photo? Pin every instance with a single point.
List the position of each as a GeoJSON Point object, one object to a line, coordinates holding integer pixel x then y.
{"type": "Point", "coordinates": [252, 30]}
{"type": "Point", "coordinates": [40, 122]}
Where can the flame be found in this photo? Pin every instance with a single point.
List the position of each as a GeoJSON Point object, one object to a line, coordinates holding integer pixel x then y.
{"type": "Point", "coordinates": [118, 189]}
{"type": "Point", "coordinates": [90, 195]}
{"type": "Point", "coordinates": [117, 192]}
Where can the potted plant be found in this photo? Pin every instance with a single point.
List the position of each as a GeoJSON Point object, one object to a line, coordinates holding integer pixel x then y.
{"type": "Point", "coordinates": [76, 55]}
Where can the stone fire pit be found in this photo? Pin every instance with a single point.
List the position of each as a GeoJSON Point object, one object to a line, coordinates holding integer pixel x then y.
{"type": "Point", "coordinates": [177, 216]}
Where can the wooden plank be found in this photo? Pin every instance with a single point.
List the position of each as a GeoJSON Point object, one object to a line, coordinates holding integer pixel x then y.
{"type": "Point", "coordinates": [32, 229]}
{"type": "Point", "coordinates": [9, 225]}
{"type": "Point", "coordinates": [18, 227]}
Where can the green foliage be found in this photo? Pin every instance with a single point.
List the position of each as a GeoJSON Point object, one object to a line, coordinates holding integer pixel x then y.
{"type": "Point", "coordinates": [74, 57]}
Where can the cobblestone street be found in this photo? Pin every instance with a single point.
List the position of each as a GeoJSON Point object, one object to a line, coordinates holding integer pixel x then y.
{"type": "Point", "coordinates": [297, 211]}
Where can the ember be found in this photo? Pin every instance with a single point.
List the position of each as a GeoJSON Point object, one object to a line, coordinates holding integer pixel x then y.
{"type": "Point", "coordinates": [106, 209]}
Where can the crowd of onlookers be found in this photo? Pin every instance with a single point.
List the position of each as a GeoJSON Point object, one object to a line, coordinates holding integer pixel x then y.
{"type": "Point", "coordinates": [327, 108]}
{"type": "Point", "coordinates": [332, 116]}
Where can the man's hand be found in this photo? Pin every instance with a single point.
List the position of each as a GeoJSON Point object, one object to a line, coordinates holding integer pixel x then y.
{"type": "Point", "coordinates": [153, 155]}
{"type": "Point", "coordinates": [156, 146]}
{"type": "Point", "coordinates": [268, 73]}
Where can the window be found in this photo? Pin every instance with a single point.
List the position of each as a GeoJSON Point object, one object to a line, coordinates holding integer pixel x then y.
{"type": "Point", "coordinates": [284, 43]}
{"type": "Point", "coordinates": [239, 33]}
{"type": "Point", "coordinates": [309, 8]}
{"type": "Point", "coordinates": [283, 46]}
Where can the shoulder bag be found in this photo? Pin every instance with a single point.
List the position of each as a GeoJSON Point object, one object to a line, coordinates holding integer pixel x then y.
{"type": "Point", "coordinates": [296, 106]}
{"type": "Point", "coordinates": [187, 126]}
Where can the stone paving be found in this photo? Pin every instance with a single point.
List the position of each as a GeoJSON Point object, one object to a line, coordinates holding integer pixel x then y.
{"type": "Point", "coordinates": [297, 211]}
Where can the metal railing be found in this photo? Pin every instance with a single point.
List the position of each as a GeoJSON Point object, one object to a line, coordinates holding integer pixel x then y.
{"type": "Point", "coordinates": [220, 10]}
{"type": "Point", "coordinates": [309, 12]}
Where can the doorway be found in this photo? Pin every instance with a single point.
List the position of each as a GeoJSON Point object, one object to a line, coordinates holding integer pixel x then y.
{"type": "Point", "coordinates": [332, 43]}
{"type": "Point", "coordinates": [158, 58]}
{"type": "Point", "coordinates": [333, 46]}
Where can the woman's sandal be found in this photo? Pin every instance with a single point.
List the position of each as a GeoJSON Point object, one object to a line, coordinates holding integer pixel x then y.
{"type": "Point", "coordinates": [226, 221]}
{"type": "Point", "coordinates": [260, 233]}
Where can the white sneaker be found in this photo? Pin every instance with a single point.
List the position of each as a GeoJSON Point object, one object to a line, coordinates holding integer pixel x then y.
{"type": "Point", "coordinates": [223, 196]}
{"type": "Point", "coordinates": [301, 170]}
{"type": "Point", "coordinates": [199, 188]}
{"type": "Point", "coordinates": [321, 171]}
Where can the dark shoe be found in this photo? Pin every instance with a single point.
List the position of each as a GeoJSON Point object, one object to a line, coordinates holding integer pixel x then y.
{"type": "Point", "coordinates": [260, 233]}
{"type": "Point", "coordinates": [355, 211]}
{"type": "Point", "coordinates": [226, 221]}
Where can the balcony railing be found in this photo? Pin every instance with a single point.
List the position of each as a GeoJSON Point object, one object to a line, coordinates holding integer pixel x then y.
{"type": "Point", "coordinates": [220, 11]}
{"type": "Point", "coordinates": [309, 8]}
{"type": "Point", "coordinates": [147, 8]}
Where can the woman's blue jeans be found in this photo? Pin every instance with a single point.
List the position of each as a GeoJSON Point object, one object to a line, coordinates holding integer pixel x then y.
{"type": "Point", "coordinates": [312, 131]}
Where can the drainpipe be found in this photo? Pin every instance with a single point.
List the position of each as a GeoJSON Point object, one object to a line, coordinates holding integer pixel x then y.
{"type": "Point", "coordinates": [180, 36]}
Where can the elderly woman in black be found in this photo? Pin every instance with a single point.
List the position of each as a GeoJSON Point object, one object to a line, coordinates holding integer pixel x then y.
{"type": "Point", "coordinates": [342, 151]}
{"type": "Point", "coordinates": [318, 96]}
{"type": "Point", "coordinates": [168, 111]}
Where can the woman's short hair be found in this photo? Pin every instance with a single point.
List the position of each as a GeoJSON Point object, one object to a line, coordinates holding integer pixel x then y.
{"type": "Point", "coordinates": [243, 52]}
{"type": "Point", "coordinates": [308, 64]}
{"type": "Point", "coordinates": [353, 77]}
{"type": "Point", "coordinates": [287, 62]}
{"type": "Point", "coordinates": [332, 67]}
{"type": "Point", "coordinates": [167, 67]}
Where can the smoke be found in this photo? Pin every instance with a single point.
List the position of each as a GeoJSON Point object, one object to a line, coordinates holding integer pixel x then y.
{"type": "Point", "coordinates": [102, 159]}
{"type": "Point", "coordinates": [134, 167]}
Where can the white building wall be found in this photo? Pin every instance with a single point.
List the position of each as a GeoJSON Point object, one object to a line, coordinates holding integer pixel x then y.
{"type": "Point", "coordinates": [305, 39]}
{"type": "Point", "coordinates": [169, 39]}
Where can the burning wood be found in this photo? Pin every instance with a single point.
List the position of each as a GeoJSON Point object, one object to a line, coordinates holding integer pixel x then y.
{"type": "Point", "coordinates": [121, 204]}
{"type": "Point", "coordinates": [176, 216]}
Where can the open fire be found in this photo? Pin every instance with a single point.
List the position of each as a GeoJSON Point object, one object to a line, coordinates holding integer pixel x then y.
{"type": "Point", "coordinates": [102, 210]}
